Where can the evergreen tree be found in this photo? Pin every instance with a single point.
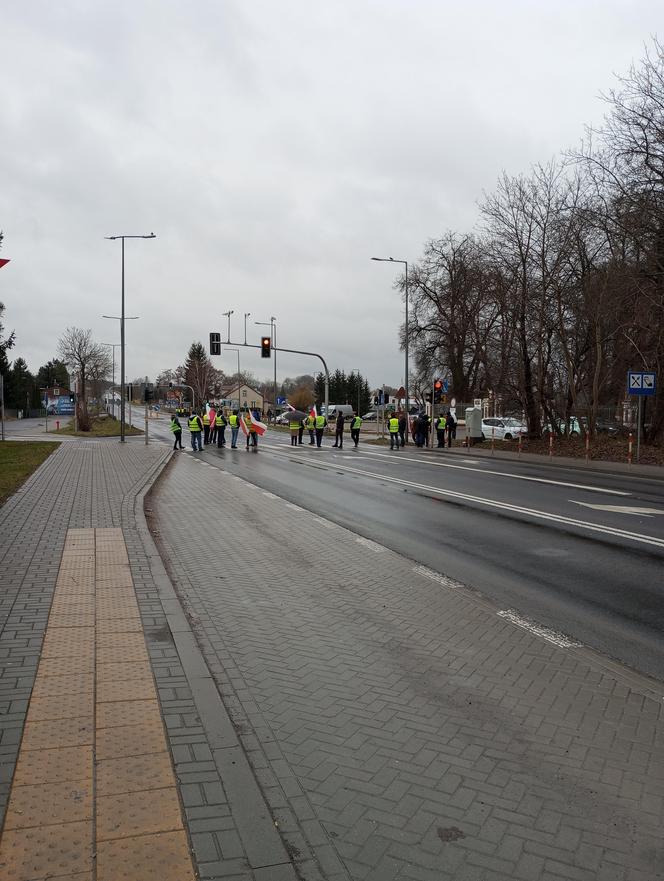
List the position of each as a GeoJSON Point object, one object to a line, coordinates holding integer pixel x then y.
{"type": "Point", "coordinates": [19, 386]}
{"type": "Point", "coordinates": [199, 373]}
{"type": "Point", "coordinates": [6, 343]}
{"type": "Point", "coordinates": [53, 374]}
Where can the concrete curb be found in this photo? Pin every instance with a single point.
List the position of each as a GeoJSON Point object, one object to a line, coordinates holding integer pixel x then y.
{"type": "Point", "coordinates": [260, 838]}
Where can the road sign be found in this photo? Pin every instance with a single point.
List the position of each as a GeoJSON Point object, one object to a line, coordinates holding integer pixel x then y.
{"type": "Point", "coordinates": [215, 344]}
{"type": "Point", "coordinates": [640, 382]}
{"type": "Point", "coordinates": [281, 401]}
{"type": "Point", "coordinates": [446, 386]}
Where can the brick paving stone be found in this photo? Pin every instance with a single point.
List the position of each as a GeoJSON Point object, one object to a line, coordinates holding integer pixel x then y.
{"type": "Point", "coordinates": [399, 727]}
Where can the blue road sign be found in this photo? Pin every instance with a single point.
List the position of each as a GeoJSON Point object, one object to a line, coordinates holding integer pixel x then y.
{"type": "Point", "coordinates": [281, 401]}
{"type": "Point", "coordinates": [641, 382]}
{"type": "Point", "coordinates": [446, 386]}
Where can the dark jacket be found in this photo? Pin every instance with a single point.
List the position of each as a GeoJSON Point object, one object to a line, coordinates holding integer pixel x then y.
{"type": "Point", "coordinates": [340, 422]}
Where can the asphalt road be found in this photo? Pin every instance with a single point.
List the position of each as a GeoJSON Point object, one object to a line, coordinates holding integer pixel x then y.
{"type": "Point", "coordinates": [579, 552]}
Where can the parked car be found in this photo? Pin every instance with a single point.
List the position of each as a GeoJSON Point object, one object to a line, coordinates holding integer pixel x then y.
{"type": "Point", "coordinates": [574, 428]}
{"type": "Point", "coordinates": [370, 417]}
{"type": "Point", "coordinates": [502, 428]}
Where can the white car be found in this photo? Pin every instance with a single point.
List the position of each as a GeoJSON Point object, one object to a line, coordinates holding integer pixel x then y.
{"type": "Point", "coordinates": [502, 428]}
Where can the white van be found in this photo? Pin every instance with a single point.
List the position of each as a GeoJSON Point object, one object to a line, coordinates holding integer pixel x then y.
{"type": "Point", "coordinates": [335, 409]}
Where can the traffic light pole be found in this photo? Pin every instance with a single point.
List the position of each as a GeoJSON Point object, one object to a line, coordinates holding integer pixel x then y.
{"type": "Point", "coordinates": [295, 352]}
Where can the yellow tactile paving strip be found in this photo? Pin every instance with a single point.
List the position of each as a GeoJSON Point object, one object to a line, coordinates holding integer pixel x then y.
{"type": "Point", "coordinates": [94, 795]}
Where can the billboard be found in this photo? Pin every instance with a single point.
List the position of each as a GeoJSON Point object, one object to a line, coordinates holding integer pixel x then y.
{"type": "Point", "coordinates": [58, 402]}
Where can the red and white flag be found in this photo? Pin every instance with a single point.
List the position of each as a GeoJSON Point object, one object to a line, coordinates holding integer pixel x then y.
{"type": "Point", "coordinates": [259, 427]}
{"type": "Point", "coordinates": [313, 412]}
{"type": "Point", "coordinates": [243, 425]}
{"type": "Point", "coordinates": [3, 263]}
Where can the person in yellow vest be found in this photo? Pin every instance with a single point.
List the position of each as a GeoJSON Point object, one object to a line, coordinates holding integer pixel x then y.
{"type": "Point", "coordinates": [206, 428]}
{"type": "Point", "coordinates": [441, 422]}
{"type": "Point", "coordinates": [320, 423]}
{"type": "Point", "coordinates": [234, 422]}
{"type": "Point", "coordinates": [294, 428]}
{"type": "Point", "coordinates": [355, 426]}
{"type": "Point", "coordinates": [252, 435]}
{"type": "Point", "coordinates": [393, 427]}
{"type": "Point", "coordinates": [220, 424]}
{"type": "Point", "coordinates": [176, 428]}
{"type": "Point", "coordinates": [310, 425]}
{"type": "Point", "coordinates": [195, 427]}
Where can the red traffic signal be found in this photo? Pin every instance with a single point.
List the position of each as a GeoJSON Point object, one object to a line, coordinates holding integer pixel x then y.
{"type": "Point", "coordinates": [266, 344]}
{"type": "Point", "coordinates": [437, 390]}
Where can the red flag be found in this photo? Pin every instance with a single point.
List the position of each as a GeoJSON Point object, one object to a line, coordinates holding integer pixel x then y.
{"type": "Point", "coordinates": [313, 412]}
{"type": "Point", "coordinates": [259, 427]}
{"type": "Point", "coordinates": [243, 425]}
{"type": "Point", "coordinates": [3, 263]}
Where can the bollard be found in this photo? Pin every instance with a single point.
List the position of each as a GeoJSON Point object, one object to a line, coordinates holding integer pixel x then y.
{"type": "Point", "coordinates": [493, 439]}
{"type": "Point", "coordinates": [57, 425]}
{"type": "Point", "coordinates": [629, 449]}
{"type": "Point", "coordinates": [551, 445]}
{"type": "Point", "coordinates": [520, 439]}
{"type": "Point", "coordinates": [587, 447]}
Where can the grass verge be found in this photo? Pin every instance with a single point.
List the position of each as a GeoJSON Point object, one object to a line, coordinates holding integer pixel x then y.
{"type": "Point", "coordinates": [18, 459]}
{"type": "Point", "coordinates": [105, 426]}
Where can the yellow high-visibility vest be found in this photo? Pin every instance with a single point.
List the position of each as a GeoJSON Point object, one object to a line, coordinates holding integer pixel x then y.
{"type": "Point", "coordinates": [394, 425]}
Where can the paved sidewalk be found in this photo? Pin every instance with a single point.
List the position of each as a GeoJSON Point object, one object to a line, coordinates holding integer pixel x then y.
{"type": "Point", "coordinates": [113, 738]}
{"type": "Point", "coordinates": [400, 728]}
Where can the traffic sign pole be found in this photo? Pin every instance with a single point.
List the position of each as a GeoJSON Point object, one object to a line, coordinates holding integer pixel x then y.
{"type": "Point", "coordinates": [638, 431]}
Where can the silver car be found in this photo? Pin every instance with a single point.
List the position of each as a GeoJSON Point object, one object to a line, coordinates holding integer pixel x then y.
{"type": "Point", "coordinates": [502, 428]}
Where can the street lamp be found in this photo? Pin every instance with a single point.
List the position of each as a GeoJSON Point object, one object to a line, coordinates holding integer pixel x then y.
{"type": "Point", "coordinates": [246, 315]}
{"type": "Point", "coordinates": [238, 375]}
{"type": "Point", "coordinates": [228, 315]}
{"type": "Point", "coordinates": [405, 263]}
{"type": "Point", "coordinates": [122, 331]}
{"type": "Point", "coordinates": [272, 324]}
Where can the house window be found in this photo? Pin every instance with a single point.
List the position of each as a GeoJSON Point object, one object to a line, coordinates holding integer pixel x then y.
{"type": "Point", "coordinates": [56, 392]}
{"type": "Point", "coordinates": [244, 393]}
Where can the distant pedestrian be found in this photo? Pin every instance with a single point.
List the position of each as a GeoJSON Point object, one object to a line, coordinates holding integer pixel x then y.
{"type": "Point", "coordinates": [269, 415]}
{"type": "Point", "coordinates": [176, 428]}
{"type": "Point", "coordinates": [321, 424]}
{"type": "Point", "coordinates": [355, 426]}
{"type": "Point", "coordinates": [441, 422]}
{"type": "Point", "coordinates": [450, 428]}
{"type": "Point", "coordinates": [234, 422]}
{"type": "Point", "coordinates": [393, 426]}
{"type": "Point", "coordinates": [339, 432]}
{"type": "Point", "coordinates": [206, 427]}
{"type": "Point", "coordinates": [421, 426]}
{"type": "Point", "coordinates": [294, 428]}
{"type": "Point", "coordinates": [310, 423]}
{"type": "Point", "coordinates": [195, 426]}
{"type": "Point", "coordinates": [403, 429]}
{"type": "Point", "coordinates": [220, 424]}
{"type": "Point", "coordinates": [300, 432]}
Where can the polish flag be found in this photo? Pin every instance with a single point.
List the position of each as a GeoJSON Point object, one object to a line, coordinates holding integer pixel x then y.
{"type": "Point", "coordinates": [313, 412]}
{"type": "Point", "coordinates": [259, 426]}
{"type": "Point", "coordinates": [3, 263]}
{"type": "Point", "coordinates": [243, 425]}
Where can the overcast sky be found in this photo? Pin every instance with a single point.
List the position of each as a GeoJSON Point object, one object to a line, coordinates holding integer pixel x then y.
{"type": "Point", "coordinates": [273, 146]}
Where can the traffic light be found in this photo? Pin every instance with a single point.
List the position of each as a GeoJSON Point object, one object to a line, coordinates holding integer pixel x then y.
{"type": "Point", "coordinates": [129, 391]}
{"type": "Point", "coordinates": [266, 344]}
{"type": "Point", "coordinates": [427, 397]}
{"type": "Point", "coordinates": [215, 344]}
{"type": "Point", "coordinates": [437, 390]}
{"type": "Point", "coordinates": [148, 393]}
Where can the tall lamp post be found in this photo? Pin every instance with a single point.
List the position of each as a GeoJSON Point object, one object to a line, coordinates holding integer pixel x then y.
{"type": "Point", "coordinates": [228, 315]}
{"type": "Point", "coordinates": [405, 263]}
{"type": "Point", "coordinates": [272, 324]}
{"type": "Point", "coordinates": [122, 331]}
{"type": "Point", "coordinates": [246, 315]}
{"type": "Point", "coordinates": [238, 375]}
{"type": "Point", "coordinates": [357, 370]}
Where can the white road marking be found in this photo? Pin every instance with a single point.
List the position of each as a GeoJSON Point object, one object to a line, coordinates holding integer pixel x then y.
{"type": "Point", "coordinates": [435, 576]}
{"type": "Point", "coordinates": [620, 509]}
{"type": "Point", "coordinates": [327, 523]}
{"type": "Point", "coordinates": [517, 509]}
{"type": "Point", "coordinates": [559, 639]}
{"type": "Point", "coordinates": [371, 545]}
{"type": "Point", "coordinates": [294, 507]}
{"type": "Point", "coordinates": [583, 486]}
{"type": "Point", "coordinates": [472, 461]}
{"type": "Point", "coordinates": [270, 495]}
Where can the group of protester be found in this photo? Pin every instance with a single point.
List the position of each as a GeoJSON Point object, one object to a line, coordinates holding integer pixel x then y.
{"type": "Point", "coordinates": [210, 428]}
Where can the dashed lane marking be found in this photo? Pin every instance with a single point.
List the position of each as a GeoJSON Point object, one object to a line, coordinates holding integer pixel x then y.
{"type": "Point", "coordinates": [371, 545]}
{"type": "Point", "coordinates": [559, 639]}
{"type": "Point", "coordinates": [435, 576]}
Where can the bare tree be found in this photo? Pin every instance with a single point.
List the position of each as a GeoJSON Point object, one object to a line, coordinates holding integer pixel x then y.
{"type": "Point", "coordinates": [86, 360]}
